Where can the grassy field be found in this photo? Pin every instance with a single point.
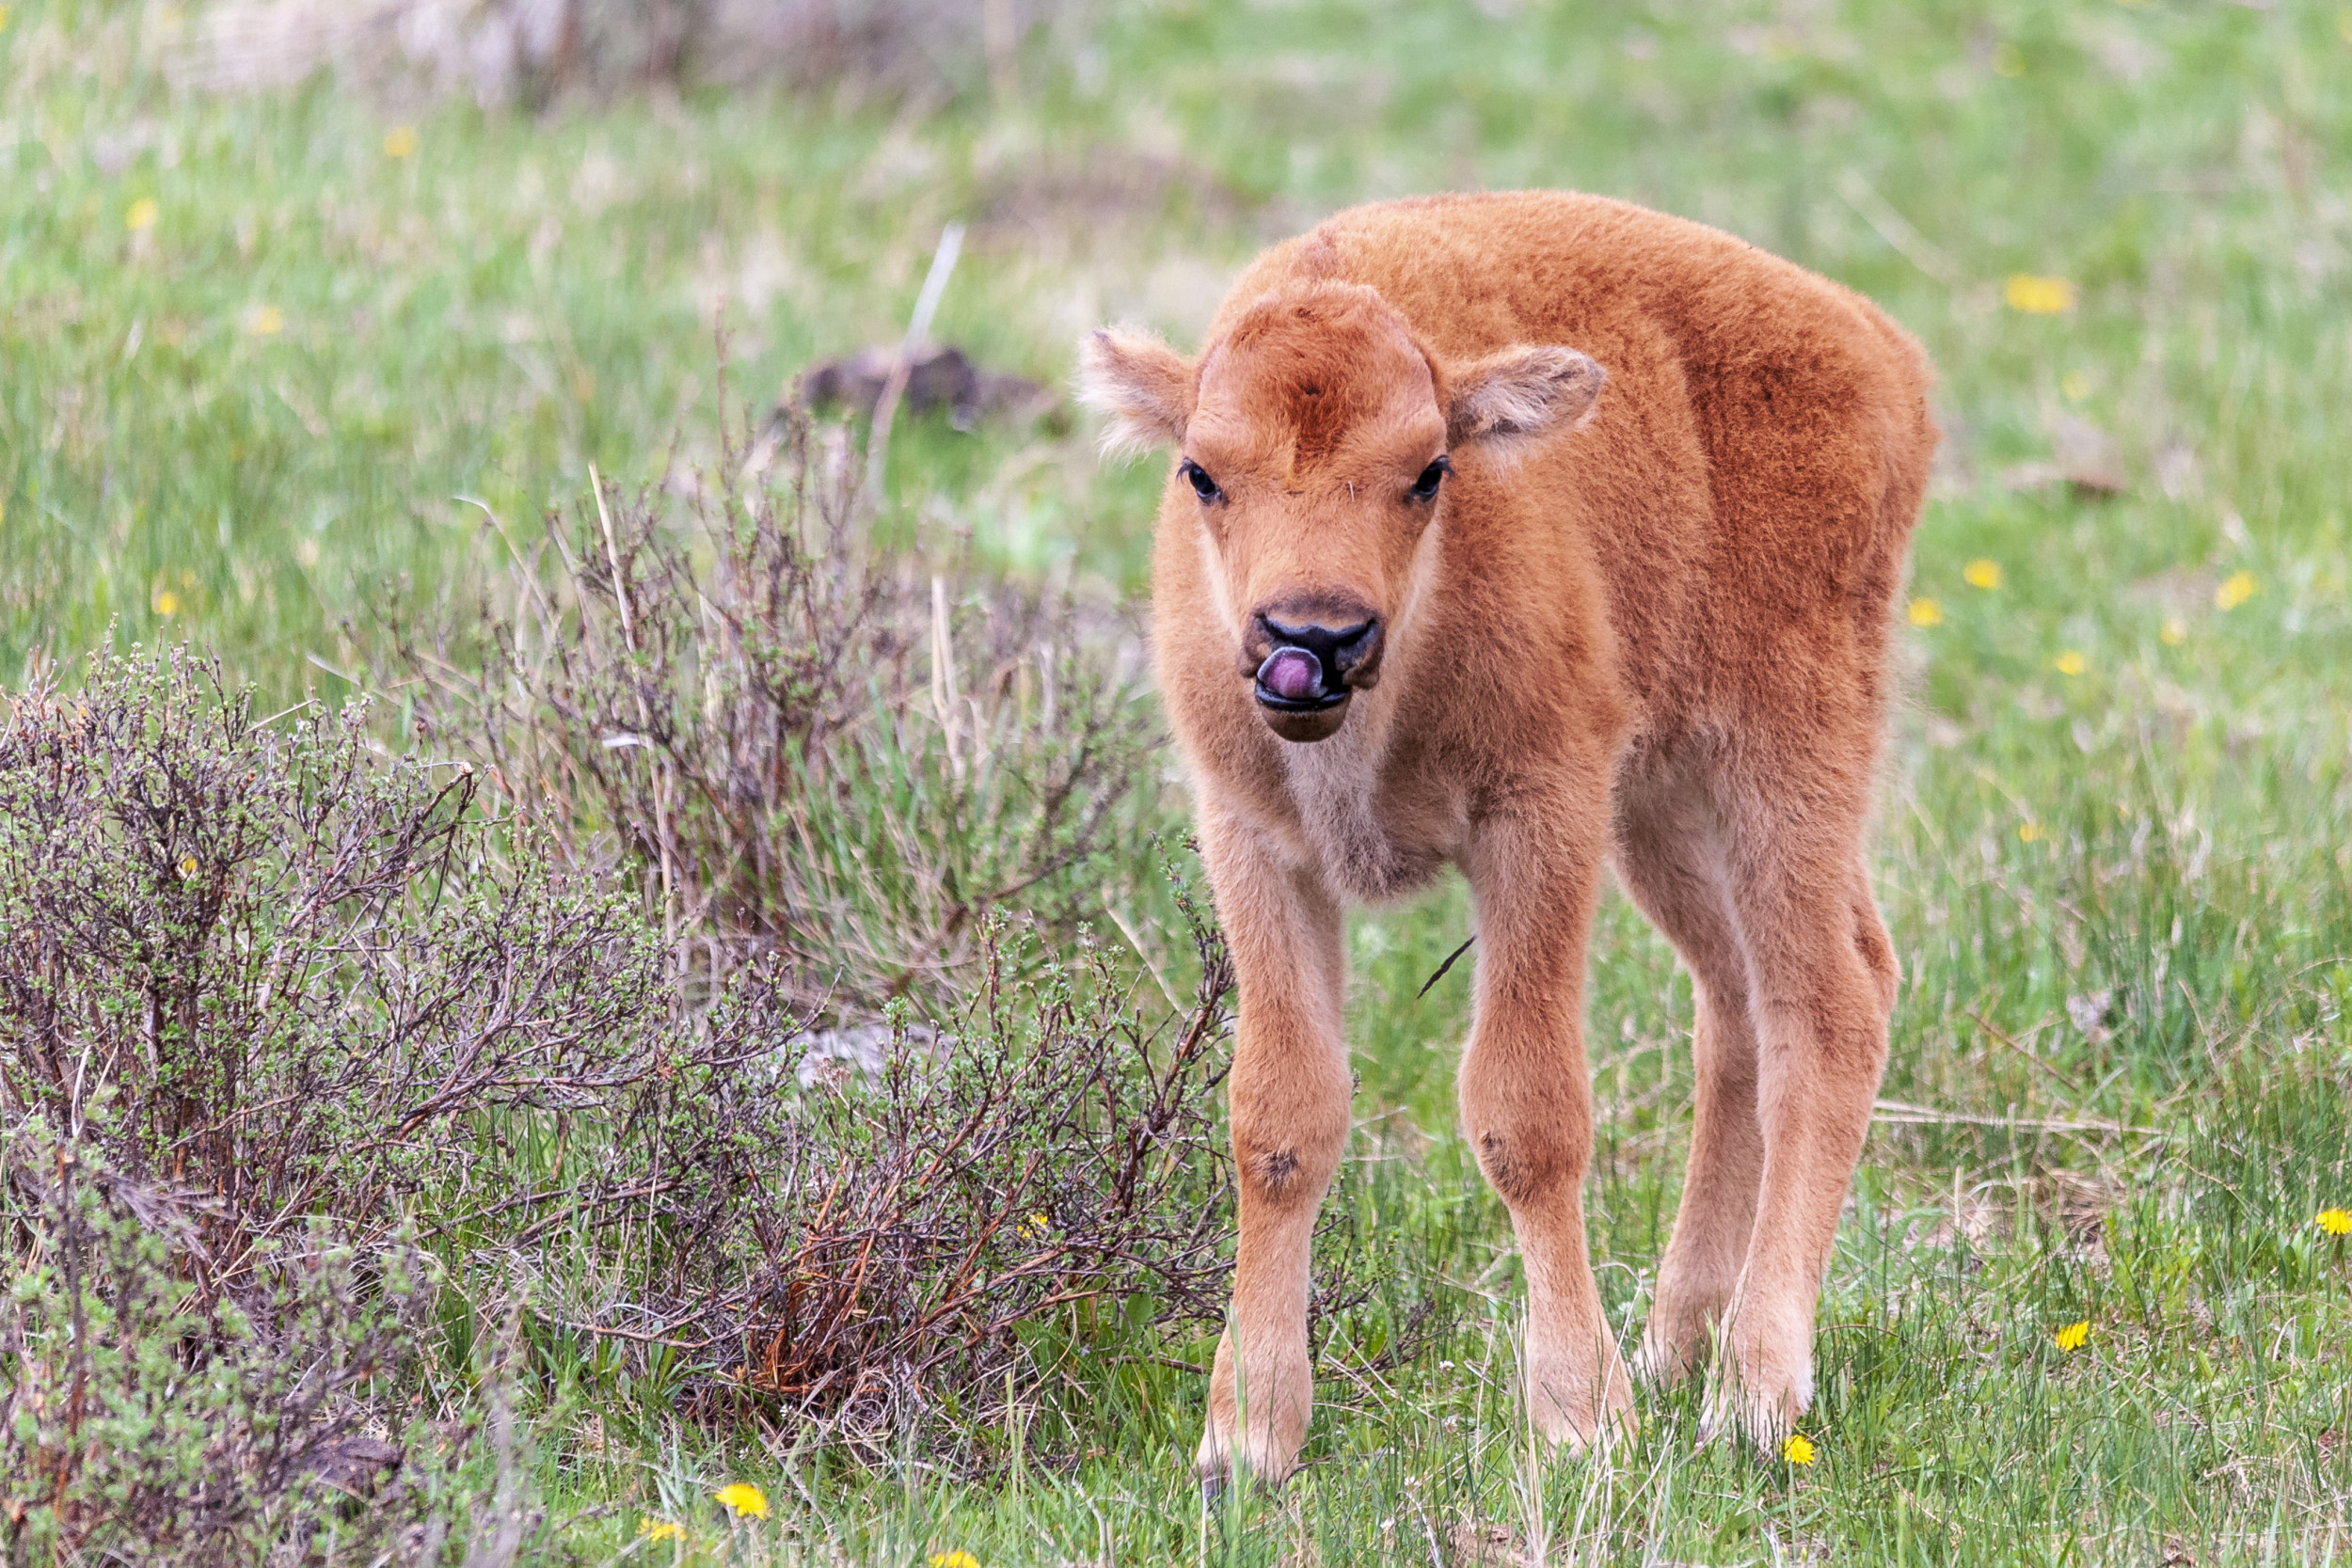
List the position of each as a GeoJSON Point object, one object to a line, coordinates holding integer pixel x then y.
{"type": "Point", "coordinates": [252, 348]}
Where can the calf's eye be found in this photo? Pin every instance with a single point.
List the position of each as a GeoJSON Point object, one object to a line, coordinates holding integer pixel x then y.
{"type": "Point", "coordinates": [1203, 485]}
{"type": "Point", "coordinates": [1426, 487]}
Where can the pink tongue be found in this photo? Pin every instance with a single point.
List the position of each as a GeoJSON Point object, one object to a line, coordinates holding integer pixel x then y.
{"type": "Point", "coordinates": [1293, 675]}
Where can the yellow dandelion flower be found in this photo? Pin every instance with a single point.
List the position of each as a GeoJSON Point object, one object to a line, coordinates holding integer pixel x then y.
{"type": "Point", "coordinates": [401, 142]}
{"type": "Point", "coordinates": [659, 1530]}
{"type": "Point", "coordinates": [1981, 573]}
{"type": "Point", "coordinates": [2039, 296]}
{"type": "Point", "coordinates": [2008, 59]}
{"type": "Point", "coordinates": [2029, 832]}
{"type": "Point", "coordinates": [188, 866]}
{"type": "Point", "coordinates": [2336, 1222]}
{"type": "Point", "coordinates": [141, 214]}
{"type": "Point", "coordinates": [1925, 612]}
{"type": "Point", "coordinates": [2173, 632]}
{"type": "Point", "coordinates": [743, 1500]}
{"type": "Point", "coordinates": [2070, 662]}
{"type": "Point", "coordinates": [1797, 1449]}
{"type": "Point", "coordinates": [265, 321]}
{"type": "Point", "coordinates": [2076, 385]}
{"type": "Point", "coordinates": [167, 603]}
{"type": "Point", "coordinates": [954, 1559]}
{"type": "Point", "coordinates": [2235, 589]}
{"type": "Point", "coordinates": [2072, 1336]}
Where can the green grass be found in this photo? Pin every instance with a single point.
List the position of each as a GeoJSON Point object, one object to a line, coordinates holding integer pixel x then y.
{"type": "Point", "coordinates": [520, 298]}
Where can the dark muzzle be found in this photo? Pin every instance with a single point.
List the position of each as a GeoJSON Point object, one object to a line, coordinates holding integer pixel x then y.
{"type": "Point", "coordinates": [1311, 670]}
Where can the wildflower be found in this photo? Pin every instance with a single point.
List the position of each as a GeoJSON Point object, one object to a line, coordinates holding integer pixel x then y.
{"type": "Point", "coordinates": [167, 603]}
{"type": "Point", "coordinates": [2039, 296]}
{"type": "Point", "coordinates": [2336, 1222]}
{"type": "Point", "coordinates": [2008, 59]}
{"type": "Point", "coordinates": [2173, 632]}
{"type": "Point", "coordinates": [1981, 573]}
{"type": "Point", "coordinates": [265, 321]}
{"type": "Point", "coordinates": [743, 1500]}
{"type": "Point", "coordinates": [2235, 589]}
{"type": "Point", "coordinates": [954, 1559]}
{"type": "Point", "coordinates": [2072, 1336]}
{"type": "Point", "coordinates": [1797, 1449]}
{"type": "Point", "coordinates": [2070, 663]}
{"type": "Point", "coordinates": [1925, 612]}
{"type": "Point", "coordinates": [3, 20]}
{"type": "Point", "coordinates": [659, 1530]}
{"type": "Point", "coordinates": [400, 142]}
{"type": "Point", "coordinates": [2029, 832]}
{"type": "Point", "coordinates": [141, 214]}
{"type": "Point", "coordinates": [1037, 1227]}
{"type": "Point", "coordinates": [187, 866]}
{"type": "Point", "coordinates": [2076, 385]}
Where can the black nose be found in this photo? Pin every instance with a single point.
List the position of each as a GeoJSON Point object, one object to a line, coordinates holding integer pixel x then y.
{"type": "Point", "coordinates": [1341, 651]}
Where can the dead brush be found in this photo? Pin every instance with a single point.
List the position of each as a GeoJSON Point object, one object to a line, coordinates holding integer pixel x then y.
{"type": "Point", "coordinates": [253, 965]}
{"type": "Point", "coordinates": [261, 966]}
{"type": "Point", "coordinates": [813, 754]}
{"type": "Point", "coordinates": [859, 1254]}
{"type": "Point", "coordinates": [144, 1422]}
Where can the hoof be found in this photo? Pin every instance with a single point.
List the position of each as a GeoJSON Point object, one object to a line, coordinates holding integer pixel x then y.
{"type": "Point", "coordinates": [1573, 1417]}
{"type": "Point", "coordinates": [1759, 1423]}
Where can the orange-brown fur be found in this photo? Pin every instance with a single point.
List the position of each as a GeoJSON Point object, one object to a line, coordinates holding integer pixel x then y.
{"type": "Point", "coordinates": [1646, 629]}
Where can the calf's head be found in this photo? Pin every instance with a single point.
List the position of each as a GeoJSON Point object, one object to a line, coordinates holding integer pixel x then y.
{"type": "Point", "coordinates": [1315, 441]}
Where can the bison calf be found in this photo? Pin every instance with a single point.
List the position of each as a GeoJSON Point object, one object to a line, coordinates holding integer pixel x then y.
{"type": "Point", "coordinates": [1528, 532]}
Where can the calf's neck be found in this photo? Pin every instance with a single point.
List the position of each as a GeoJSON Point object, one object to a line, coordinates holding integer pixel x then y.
{"type": "Point", "coordinates": [1532, 534]}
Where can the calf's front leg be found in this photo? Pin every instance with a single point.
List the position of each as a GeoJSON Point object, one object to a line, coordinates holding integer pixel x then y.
{"type": "Point", "coordinates": [1527, 1102]}
{"type": "Point", "coordinates": [1289, 1096]}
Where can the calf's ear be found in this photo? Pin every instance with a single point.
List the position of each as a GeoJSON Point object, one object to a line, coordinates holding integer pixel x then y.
{"type": "Point", "coordinates": [1520, 394]}
{"type": "Point", "coordinates": [1144, 386]}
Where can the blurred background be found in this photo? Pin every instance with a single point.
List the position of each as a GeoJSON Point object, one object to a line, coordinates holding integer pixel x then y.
{"type": "Point", "coordinates": [282, 277]}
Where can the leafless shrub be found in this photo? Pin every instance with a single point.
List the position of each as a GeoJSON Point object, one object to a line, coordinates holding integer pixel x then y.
{"type": "Point", "coordinates": [267, 979]}
{"type": "Point", "coordinates": [141, 1421]}
{"type": "Point", "coordinates": [813, 753]}
{"type": "Point", "coordinates": [860, 1252]}
{"type": "Point", "coordinates": [260, 965]}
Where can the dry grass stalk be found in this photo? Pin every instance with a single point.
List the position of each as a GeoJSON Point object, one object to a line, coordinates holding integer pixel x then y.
{"type": "Point", "coordinates": [813, 754]}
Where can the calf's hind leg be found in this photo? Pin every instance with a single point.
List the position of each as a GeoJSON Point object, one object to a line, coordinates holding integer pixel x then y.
{"type": "Point", "coordinates": [1822, 983]}
{"type": "Point", "coordinates": [1666, 858]}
